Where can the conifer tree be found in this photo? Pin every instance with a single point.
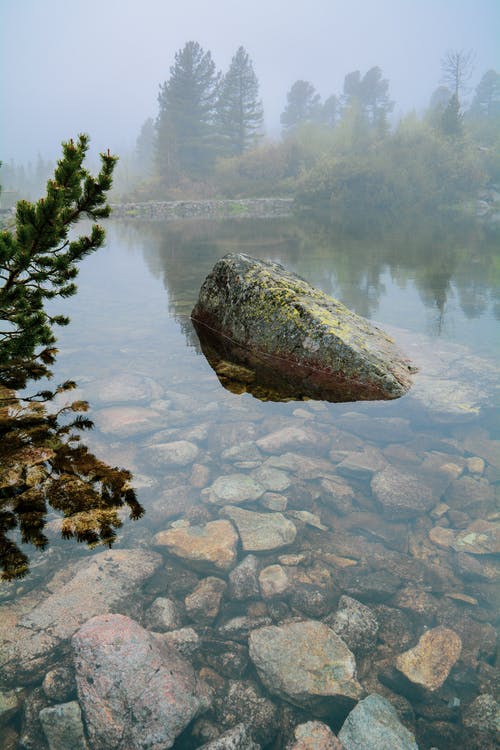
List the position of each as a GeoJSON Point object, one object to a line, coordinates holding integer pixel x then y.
{"type": "Point", "coordinates": [38, 262]}
{"type": "Point", "coordinates": [239, 110]}
{"type": "Point", "coordinates": [186, 113]}
{"type": "Point", "coordinates": [452, 119]}
{"type": "Point", "coordinates": [303, 104]}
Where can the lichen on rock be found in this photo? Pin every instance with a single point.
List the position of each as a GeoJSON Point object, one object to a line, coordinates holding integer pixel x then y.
{"type": "Point", "coordinates": [299, 342]}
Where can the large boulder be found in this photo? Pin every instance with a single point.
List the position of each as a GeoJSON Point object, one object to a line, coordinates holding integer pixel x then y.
{"type": "Point", "coordinates": [263, 327]}
{"type": "Point", "coordinates": [135, 691]}
{"type": "Point", "coordinates": [102, 583]}
{"type": "Point", "coordinates": [374, 724]}
{"type": "Point", "coordinates": [307, 664]}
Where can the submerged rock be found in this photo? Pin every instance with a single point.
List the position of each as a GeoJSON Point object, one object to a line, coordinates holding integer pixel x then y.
{"type": "Point", "coordinates": [134, 690]}
{"type": "Point", "coordinates": [261, 531]}
{"type": "Point", "coordinates": [356, 624]}
{"type": "Point", "coordinates": [307, 664]}
{"type": "Point", "coordinates": [375, 724]}
{"type": "Point", "coordinates": [290, 340]}
{"type": "Point", "coordinates": [429, 663]}
{"type": "Point", "coordinates": [237, 738]}
{"type": "Point", "coordinates": [314, 735]}
{"type": "Point", "coordinates": [102, 583]}
{"type": "Point", "coordinates": [63, 726]}
{"type": "Point", "coordinates": [211, 548]}
{"type": "Point", "coordinates": [402, 495]}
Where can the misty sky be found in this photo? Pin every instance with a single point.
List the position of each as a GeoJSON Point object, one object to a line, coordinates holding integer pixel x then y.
{"type": "Point", "coordinates": [68, 66]}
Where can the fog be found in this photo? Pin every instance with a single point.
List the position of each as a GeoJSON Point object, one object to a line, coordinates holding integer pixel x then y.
{"type": "Point", "coordinates": [93, 66]}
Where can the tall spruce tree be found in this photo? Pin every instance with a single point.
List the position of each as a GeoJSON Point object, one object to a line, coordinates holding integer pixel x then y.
{"type": "Point", "coordinates": [303, 104]}
{"type": "Point", "coordinates": [452, 119]}
{"type": "Point", "coordinates": [486, 101]}
{"type": "Point", "coordinates": [371, 94]}
{"type": "Point", "coordinates": [38, 262]}
{"type": "Point", "coordinates": [185, 123]}
{"type": "Point", "coordinates": [239, 110]}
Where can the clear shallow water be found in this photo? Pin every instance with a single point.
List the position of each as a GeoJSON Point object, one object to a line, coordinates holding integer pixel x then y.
{"type": "Point", "coordinates": [131, 345]}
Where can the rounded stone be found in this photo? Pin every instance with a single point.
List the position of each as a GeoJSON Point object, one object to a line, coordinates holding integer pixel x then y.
{"type": "Point", "coordinates": [163, 615]}
{"type": "Point", "coordinates": [356, 624]}
{"type": "Point", "coordinates": [402, 495]}
{"type": "Point", "coordinates": [429, 663]}
{"type": "Point", "coordinates": [177, 453]}
{"type": "Point", "coordinates": [314, 735]}
{"type": "Point", "coordinates": [305, 663]}
{"type": "Point", "coordinates": [261, 531]}
{"type": "Point", "coordinates": [142, 694]}
{"type": "Point", "coordinates": [233, 488]}
{"type": "Point", "coordinates": [273, 581]}
{"type": "Point", "coordinates": [374, 724]}
{"type": "Point", "coordinates": [211, 547]}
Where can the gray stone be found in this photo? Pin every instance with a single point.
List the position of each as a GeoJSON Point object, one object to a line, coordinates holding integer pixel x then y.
{"type": "Point", "coordinates": [483, 714]}
{"type": "Point", "coordinates": [473, 495]}
{"type": "Point", "coordinates": [163, 615]}
{"type": "Point", "coordinates": [272, 479]}
{"type": "Point", "coordinates": [309, 519]}
{"type": "Point", "coordinates": [314, 735]}
{"type": "Point", "coordinates": [203, 604]}
{"type": "Point", "coordinates": [101, 583]}
{"type": "Point", "coordinates": [9, 705]}
{"type": "Point", "coordinates": [125, 387]}
{"type": "Point", "coordinates": [177, 453]}
{"type": "Point", "coordinates": [63, 726]}
{"type": "Point", "coordinates": [243, 579]}
{"type": "Point", "coordinates": [479, 538]}
{"type": "Point", "coordinates": [374, 724]}
{"type": "Point", "coordinates": [32, 735]}
{"type": "Point", "coordinates": [237, 738]}
{"type": "Point", "coordinates": [402, 495]}
{"type": "Point", "coordinates": [246, 451]}
{"type": "Point", "coordinates": [307, 664]}
{"type": "Point", "coordinates": [273, 501]}
{"type": "Point", "coordinates": [127, 421]}
{"type": "Point", "coordinates": [239, 627]}
{"type": "Point", "coordinates": [268, 311]}
{"type": "Point", "coordinates": [185, 640]}
{"type": "Point", "coordinates": [376, 429]}
{"type": "Point", "coordinates": [261, 531]}
{"type": "Point", "coordinates": [306, 467]}
{"type": "Point", "coordinates": [233, 488]}
{"type": "Point", "coordinates": [286, 438]}
{"type": "Point", "coordinates": [362, 464]}
{"type": "Point", "coordinates": [273, 581]}
{"type": "Point", "coordinates": [356, 624]}
{"type": "Point", "coordinates": [59, 684]}
{"type": "Point", "coordinates": [244, 702]}
{"type": "Point", "coordinates": [337, 493]}
{"type": "Point", "coordinates": [141, 694]}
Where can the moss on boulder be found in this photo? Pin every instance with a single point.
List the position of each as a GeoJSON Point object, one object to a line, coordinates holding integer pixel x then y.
{"type": "Point", "coordinates": [298, 340]}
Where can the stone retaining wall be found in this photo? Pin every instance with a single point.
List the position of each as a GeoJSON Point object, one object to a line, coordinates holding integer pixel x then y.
{"type": "Point", "coordinates": [207, 209]}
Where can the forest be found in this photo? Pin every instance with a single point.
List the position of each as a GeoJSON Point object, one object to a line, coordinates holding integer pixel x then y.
{"type": "Point", "coordinates": [344, 157]}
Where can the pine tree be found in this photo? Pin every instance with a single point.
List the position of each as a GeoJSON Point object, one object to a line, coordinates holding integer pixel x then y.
{"type": "Point", "coordinates": [303, 105]}
{"type": "Point", "coordinates": [185, 124]}
{"type": "Point", "coordinates": [486, 101]}
{"type": "Point", "coordinates": [452, 119]}
{"type": "Point", "coordinates": [239, 111]}
{"type": "Point", "coordinates": [38, 262]}
{"type": "Point", "coordinates": [372, 95]}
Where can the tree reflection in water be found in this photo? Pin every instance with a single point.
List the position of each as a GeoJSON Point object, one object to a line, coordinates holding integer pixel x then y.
{"type": "Point", "coordinates": [44, 464]}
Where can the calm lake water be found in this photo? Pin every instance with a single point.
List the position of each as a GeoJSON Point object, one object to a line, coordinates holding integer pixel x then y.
{"type": "Point", "coordinates": [135, 356]}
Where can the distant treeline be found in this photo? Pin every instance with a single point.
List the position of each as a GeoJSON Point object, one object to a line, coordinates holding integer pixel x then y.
{"type": "Point", "coordinates": [341, 155]}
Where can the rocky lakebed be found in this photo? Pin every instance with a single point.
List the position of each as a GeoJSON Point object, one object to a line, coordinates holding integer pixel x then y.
{"type": "Point", "coordinates": [323, 577]}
